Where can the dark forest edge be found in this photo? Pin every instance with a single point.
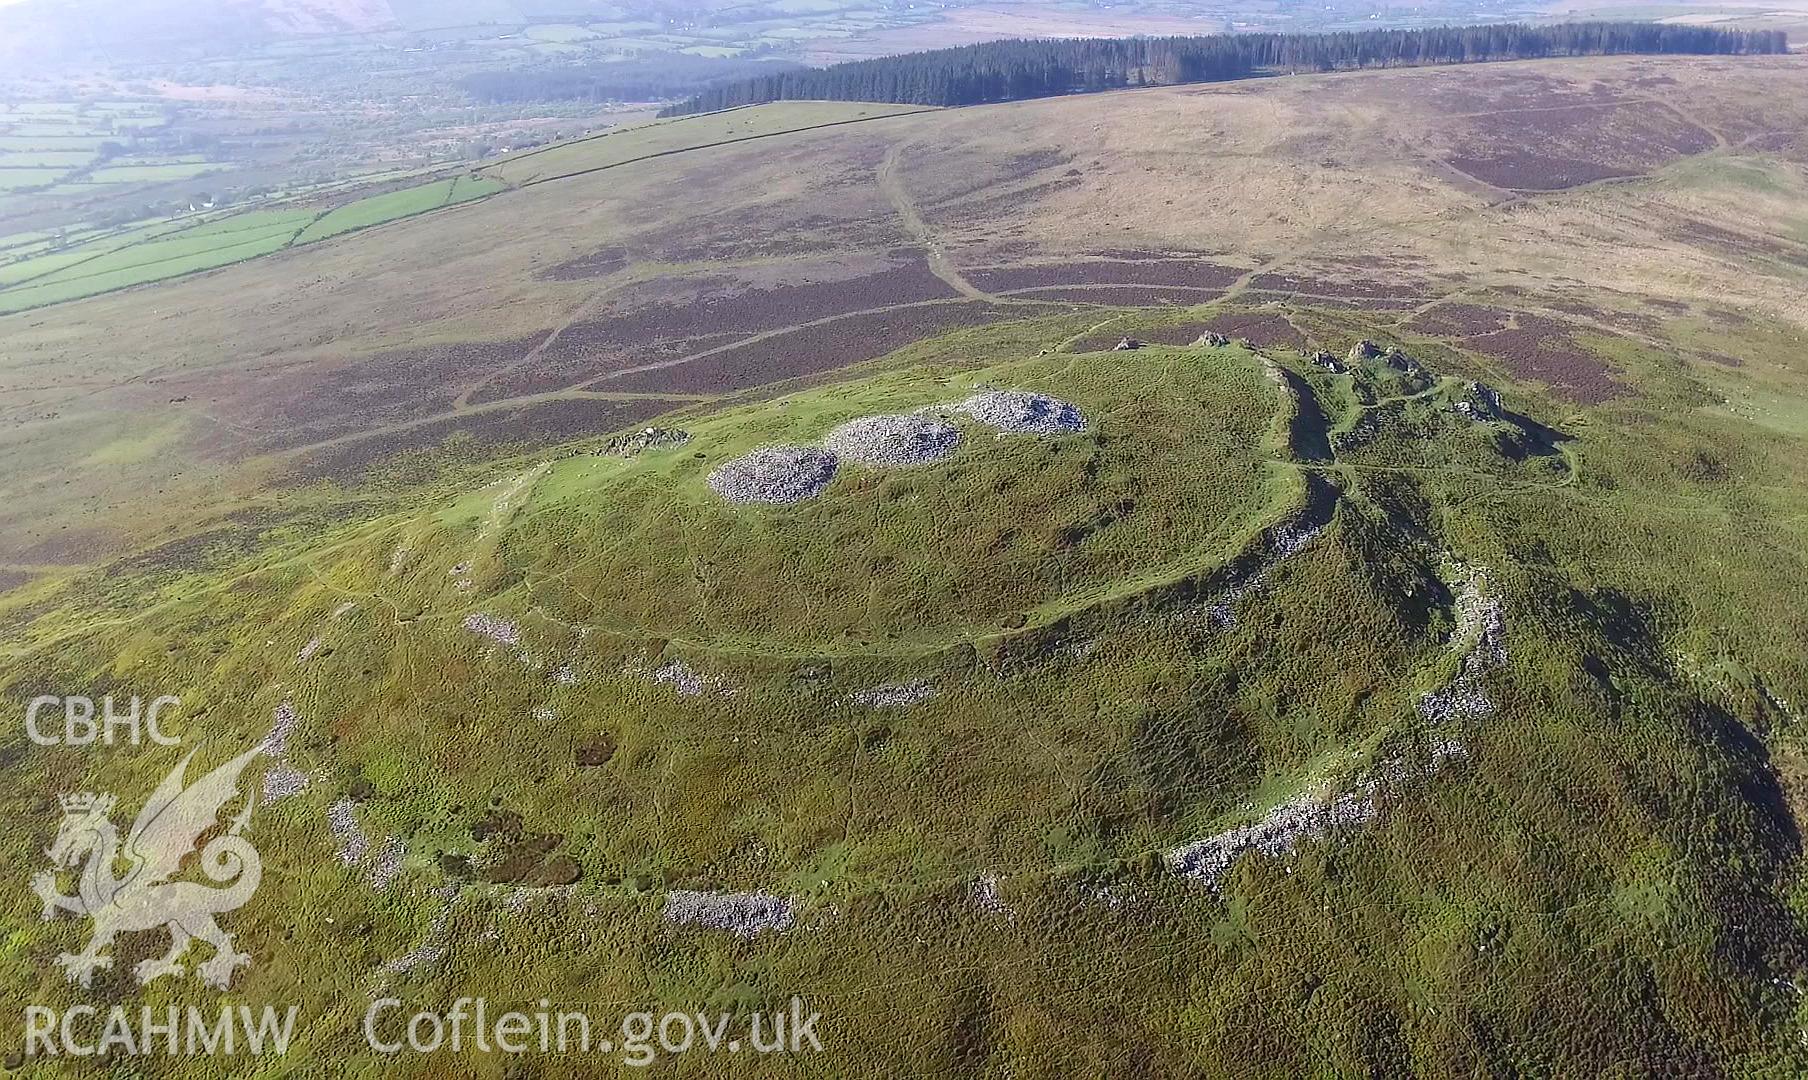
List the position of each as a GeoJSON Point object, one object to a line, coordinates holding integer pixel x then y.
{"type": "Point", "coordinates": [1021, 69]}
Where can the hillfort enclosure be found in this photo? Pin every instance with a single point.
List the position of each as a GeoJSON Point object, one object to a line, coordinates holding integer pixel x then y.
{"type": "Point", "coordinates": [1170, 555]}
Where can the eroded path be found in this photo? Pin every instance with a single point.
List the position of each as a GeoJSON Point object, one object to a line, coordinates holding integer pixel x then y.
{"type": "Point", "coordinates": [892, 184]}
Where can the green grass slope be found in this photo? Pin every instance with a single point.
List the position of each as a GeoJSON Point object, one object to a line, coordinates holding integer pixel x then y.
{"type": "Point", "coordinates": [1477, 708]}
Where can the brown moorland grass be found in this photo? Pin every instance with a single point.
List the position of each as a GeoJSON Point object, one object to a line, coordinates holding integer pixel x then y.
{"type": "Point", "coordinates": [599, 263]}
{"type": "Point", "coordinates": [1122, 295]}
{"type": "Point", "coordinates": [565, 365]}
{"type": "Point", "coordinates": [1525, 171]}
{"type": "Point", "coordinates": [1322, 181]}
{"type": "Point", "coordinates": [808, 350]}
{"type": "Point", "coordinates": [325, 402]}
{"type": "Point", "coordinates": [679, 308]}
{"type": "Point", "coordinates": [1638, 322]}
{"type": "Point", "coordinates": [492, 432]}
{"type": "Point", "coordinates": [703, 314]}
{"type": "Point", "coordinates": [1263, 329]}
{"type": "Point", "coordinates": [1340, 303]}
{"type": "Point", "coordinates": [1150, 270]}
{"type": "Point", "coordinates": [1460, 320]}
{"type": "Point", "coordinates": [1383, 285]}
{"type": "Point", "coordinates": [1545, 350]}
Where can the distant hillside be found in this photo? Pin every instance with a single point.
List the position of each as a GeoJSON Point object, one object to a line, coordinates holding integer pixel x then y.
{"type": "Point", "coordinates": [42, 33]}
{"type": "Point", "coordinates": [1016, 70]}
{"type": "Point", "coordinates": [625, 80]}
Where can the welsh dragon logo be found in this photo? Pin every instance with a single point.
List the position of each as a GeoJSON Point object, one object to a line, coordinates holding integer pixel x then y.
{"type": "Point", "coordinates": [168, 829]}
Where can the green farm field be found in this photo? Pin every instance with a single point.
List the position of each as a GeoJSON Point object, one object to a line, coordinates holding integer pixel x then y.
{"type": "Point", "coordinates": [1379, 652]}
{"type": "Point", "coordinates": [128, 174]}
{"type": "Point", "coordinates": [400, 204]}
{"type": "Point", "coordinates": [35, 277]}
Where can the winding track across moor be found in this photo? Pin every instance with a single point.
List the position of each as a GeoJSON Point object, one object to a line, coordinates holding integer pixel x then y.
{"type": "Point", "coordinates": [889, 178]}
{"type": "Point", "coordinates": [893, 186]}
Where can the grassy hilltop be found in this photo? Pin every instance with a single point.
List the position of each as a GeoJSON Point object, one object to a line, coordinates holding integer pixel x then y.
{"type": "Point", "coordinates": [1397, 673]}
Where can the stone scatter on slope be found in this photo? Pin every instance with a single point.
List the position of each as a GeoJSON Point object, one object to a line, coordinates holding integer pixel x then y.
{"type": "Point", "coordinates": [498, 630]}
{"type": "Point", "coordinates": [744, 914]}
{"type": "Point", "coordinates": [284, 721]}
{"type": "Point", "coordinates": [1023, 412]}
{"type": "Point", "coordinates": [1285, 541]}
{"type": "Point", "coordinates": [1480, 635]}
{"type": "Point", "coordinates": [431, 950]}
{"type": "Point", "coordinates": [682, 679]}
{"type": "Point", "coordinates": [283, 779]}
{"type": "Point", "coordinates": [774, 474]}
{"type": "Point", "coordinates": [894, 439]}
{"type": "Point", "coordinates": [893, 695]}
{"type": "Point", "coordinates": [342, 819]}
{"type": "Point", "coordinates": [1308, 816]}
{"type": "Point", "coordinates": [653, 438]}
{"type": "Point", "coordinates": [387, 864]}
{"type": "Point", "coordinates": [355, 848]}
{"type": "Point", "coordinates": [984, 894]}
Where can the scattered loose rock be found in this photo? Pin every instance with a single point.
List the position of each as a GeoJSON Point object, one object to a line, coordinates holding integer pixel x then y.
{"type": "Point", "coordinates": [1480, 635]}
{"type": "Point", "coordinates": [283, 781]}
{"type": "Point", "coordinates": [1327, 361]}
{"type": "Point", "coordinates": [1021, 412]}
{"type": "Point", "coordinates": [985, 896]}
{"type": "Point", "coordinates": [894, 439]}
{"type": "Point", "coordinates": [681, 677]}
{"type": "Point", "coordinates": [388, 863]}
{"type": "Point", "coordinates": [1111, 897]}
{"type": "Point", "coordinates": [342, 819]}
{"type": "Point", "coordinates": [893, 695]}
{"type": "Point", "coordinates": [1312, 815]}
{"type": "Point", "coordinates": [433, 948]}
{"type": "Point", "coordinates": [1285, 540]}
{"type": "Point", "coordinates": [774, 474]}
{"type": "Point", "coordinates": [284, 721]}
{"type": "Point", "coordinates": [744, 914]}
{"type": "Point", "coordinates": [1278, 834]}
{"type": "Point", "coordinates": [653, 438]}
{"type": "Point", "coordinates": [498, 630]}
